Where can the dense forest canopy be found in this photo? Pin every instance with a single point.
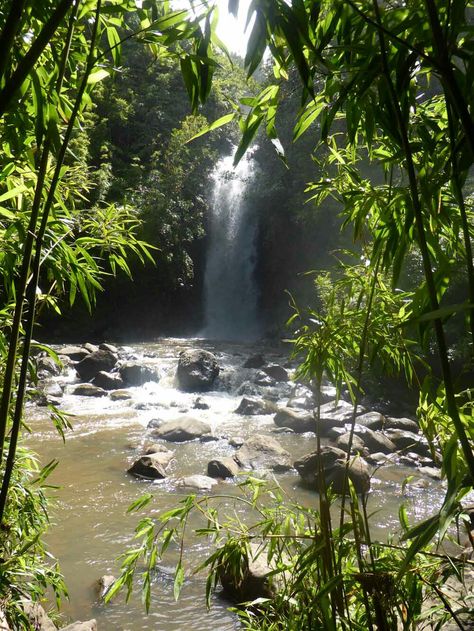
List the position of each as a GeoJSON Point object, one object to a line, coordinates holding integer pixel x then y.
{"type": "Point", "coordinates": [363, 117]}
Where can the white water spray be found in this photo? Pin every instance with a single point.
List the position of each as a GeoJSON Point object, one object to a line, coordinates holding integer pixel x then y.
{"type": "Point", "coordinates": [230, 291]}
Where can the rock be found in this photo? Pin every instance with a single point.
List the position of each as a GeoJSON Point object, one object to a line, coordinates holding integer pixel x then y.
{"type": "Point", "coordinates": [4, 626]}
{"type": "Point", "coordinates": [358, 445]}
{"type": "Point", "coordinates": [431, 472]}
{"type": "Point", "coordinates": [302, 403]}
{"type": "Point", "coordinates": [91, 348]}
{"type": "Point", "coordinates": [53, 390]}
{"type": "Point", "coordinates": [199, 482]}
{"type": "Point", "coordinates": [406, 424]}
{"type": "Point", "coordinates": [276, 372]}
{"type": "Point", "coordinates": [197, 370]}
{"type": "Point", "coordinates": [88, 390]}
{"type": "Point", "coordinates": [375, 441]}
{"type": "Point", "coordinates": [199, 404]}
{"type": "Point", "coordinates": [250, 406]}
{"type": "Point", "coordinates": [334, 432]}
{"type": "Point", "coordinates": [333, 464]}
{"type": "Point", "coordinates": [372, 420]}
{"type": "Point", "coordinates": [261, 379]}
{"type": "Point", "coordinates": [120, 395]}
{"type": "Point", "coordinates": [46, 366]}
{"type": "Point", "coordinates": [37, 616]}
{"type": "Point", "coordinates": [263, 452]}
{"type": "Point", "coordinates": [247, 388]}
{"type": "Point", "coordinates": [155, 448]}
{"type": "Point", "coordinates": [93, 363]}
{"type": "Point", "coordinates": [109, 347]}
{"type": "Point", "coordinates": [254, 361]}
{"type": "Point", "coordinates": [90, 625]}
{"type": "Point", "coordinates": [103, 585]}
{"type": "Point", "coordinates": [409, 441]}
{"type": "Point", "coordinates": [108, 380]}
{"type": "Point", "coordinates": [76, 353]}
{"type": "Point", "coordinates": [327, 394]}
{"type": "Point", "coordinates": [340, 411]}
{"type": "Point", "coordinates": [222, 468]}
{"type": "Point", "coordinates": [136, 374]}
{"type": "Point", "coordinates": [300, 422]}
{"type": "Point", "coordinates": [182, 429]}
{"type": "Point", "coordinates": [155, 423]}
{"type": "Point", "coordinates": [282, 430]}
{"type": "Point", "coordinates": [151, 466]}
{"type": "Point", "coordinates": [251, 578]}
{"type": "Point", "coordinates": [236, 441]}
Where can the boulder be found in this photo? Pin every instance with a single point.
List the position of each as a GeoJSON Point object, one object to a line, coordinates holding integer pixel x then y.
{"type": "Point", "coordinates": [300, 422]}
{"type": "Point", "coordinates": [120, 395]}
{"type": "Point", "coordinates": [91, 348]}
{"type": "Point", "coordinates": [108, 380]}
{"type": "Point", "coordinates": [222, 468]}
{"type": "Point", "coordinates": [276, 372]}
{"type": "Point", "coordinates": [197, 370]}
{"type": "Point", "coordinates": [88, 390]}
{"type": "Point", "coordinates": [406, 424]}
{"type": "Point", "coordinates": [409, 441]}
{"type": "Point", "coordinates": [332, 461]}
{"type": "Point", "coordinates": [155, 448]}
{"type": "Point", "coordinates": [37, 616]}
{"type": "Point", "coordinates": [251, 576]}
{"type": "Point", "coordinates": [109, 347]}
{"type": "Point", "coordinates": [90, 625]}
{"type": "Point", "coordinates": [372, 420]}
{"type": "Point", "coordinates": [358, 445]}
{"type": "Point", "coordinates": [181, 429]}
{"type": "Point", "coordinates": [375, 441]}
{"type": "Point", "coordinates": [254, 361]}
{"type": "Point", "coordinates": [340, 411]}
{"type": "Point", "coordinates": [46, 366]}
{"type": "Point", "coordinates": [136, 374]}
{"type": "Point", "coordinates": [53, 390]}
{"type": "Point", "coordinates": [263, 452]}
{"type": "Point", "coordinates": [198, 482]}
{"type": "Point", "coordinates": [151, 466]}
{"type": "Point", "coordinates": [200, 404]}
{"type": "Point", "coordinates": [76, 353]}
{"type": "Point", "coordinates": [103, 585]}
{"type": "Point", "coordinates": [264, 380]}
{"type": "Point", "coordinates": [250, 406]}
{"type": "Point", "coordinates": [93, 363]}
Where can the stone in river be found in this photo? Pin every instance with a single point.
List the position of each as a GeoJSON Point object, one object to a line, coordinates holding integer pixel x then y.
{"type": "Point", "coordinates": [89, 625]}
{"type": "Point", "coordinates": [151, 466]}
{"type": "Point", "coordinates": [332, 461]}
{"type": "Point", "coordinates": [92, 348]}
{"type": "Point", "coordinates": [103, 584]}
{"type": "Point", "coordinates": [88, 367]}
{"type": "Point", "coordinates": [199, 482]}
{"type": "Point", "coordinates": [182, 429]}
{"type": "Point", "coordinates": [297, 420]}
{"type": "Point", "coordinates": [254, 361]}
{"type": "Point", "coordinates": [409, 441]}
{"type": "Point", "coordinates": [197, 370]}
{"type": "Point", "coordinates": [250, 406]}
{"type": "Point", "coordinates": [136, 374]}
{"type": "Point", "coordinates": [37, 616]}
{"type": "Point", "coordinates": [375, 441]}
{"type": "Point", "coordinates": [263, 452]}
{"type": "Point", "coordinates": [276, 372]}
{"type": "Point", "coordinates": [358, 445]}
{"type": "Point", "coordinates": [372, 420]}
{"type": "Point", "coordinates": [108, 347]}
{"type": "Point", "coordinates": [88, 390]}
{"type": "Point", "coordinates": [222, 468]}
{"type": "Point", "coordinates": [108, 380]}
{"type": "Point", "coordinates": [120, 395]}
{"type": "Point", "coordinates": [75, 353]}
{"type": "Point", "coordinates": [406, 424]}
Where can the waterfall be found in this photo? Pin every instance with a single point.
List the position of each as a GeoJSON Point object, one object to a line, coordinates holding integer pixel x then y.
{"type": "Point", "coordinates": [230, 291]}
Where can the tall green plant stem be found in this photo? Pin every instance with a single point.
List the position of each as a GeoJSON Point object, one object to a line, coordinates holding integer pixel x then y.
{"type": "Point", "coordinates": [418, 212]}
{"type": "Point", "coordinates": [16, 424]}
{"type": "Point", "coordinates": [28, 61]}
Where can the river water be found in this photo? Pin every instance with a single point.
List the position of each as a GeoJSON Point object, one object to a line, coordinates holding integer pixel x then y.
{"type": "Point", "coordinates": [90, 525]}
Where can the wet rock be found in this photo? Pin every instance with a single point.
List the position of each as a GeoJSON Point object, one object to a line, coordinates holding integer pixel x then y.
{"type": "Point", "coordinates": [247, 388]}
{"type": "Point", "coordinates": [253, 577]}
{"type": "Point", "coordinates": [409, 441]}
{"type": "Point", "coordinates": [358, 445]}
{"type": "Point", "coordinates": [209, 438]}
{"type": "Point", "coordinates": [109, 347]}
{"type": "Point", "coordinates": [136, 374]}
{"type": "Point", "coordinates": [236, 441]}
{"type": "Point", "coordinates": [375, 441]}
{"type": "Point", "coordinates": [261, 379]}
{"type": "Point", "coordinates": [334, 432]}
{"type": "Point", "coordinates": [93, 363]}
{"type": "Point", "coordinates": [103, 584]}
{"type": "Point", "coordinates": [282, 430]}
{"type": "Point", "coordinates": [88, 390]}
{"type": "Point", "coordinates": [302, 403]}
{"type": "Point", "coordinates": [197, 370]}
{"type": "Point", "coordinates": [327, 394]}
{"type": "Point", "coordinates": [263, 452]}
{"type": "Point", "coordinates": [200, 404]}
{"type": "Point", "coordinates": [182, 429]}
{"type": "Point", "coordinates": [90, 625]}
{"type": "Point", "coordinates": [199, 482]}
{"type": "Point", "coordinates": [91, 348]}
{"type": "Point", "coordinates": [300, 422]}
{"type": "Point", "coordinates": [406, 424]}
{"type": "Point", "coordinates": [76, 353]}
{"type": "Point", "coordinates": [120, 395]}
{"type": "Point", "coordinates": [333, 464]}
{"type": "Point", "coordinates": [431, 472]}
{"type": "Point", "coordinates": [340, 411]}
{"type": "Point", "coordinates": [254, 361]}
{"type": "Point", "coordinates": [151, 466]}
{"type": "Point", "coordinates": [154, 423]}
{"type": "Point", "coordinates": [108, 380]}
{"type": "Point", "coordinates": [222, 468]}
{"type": "Point", "coordinates": [372, 420]}
{"type": "Point", "coordinates": [155, 448]}
{"type": "Point", "coordinates": [46, 366]}
{"type": "Point", "coordinates": [250, 406]}
{"type": "Point", "coordinates": [37, 616]}
{"type": "Point", "coordinates": [53, 390]}
{"type": "Point", "coordinates": [276, 372]}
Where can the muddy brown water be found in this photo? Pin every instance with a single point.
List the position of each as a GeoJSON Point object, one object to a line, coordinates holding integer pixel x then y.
{"type": "Point", "coordinates": [90, 524]}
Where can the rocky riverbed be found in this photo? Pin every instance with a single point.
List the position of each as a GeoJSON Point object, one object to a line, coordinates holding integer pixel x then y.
{"type": "Point", "coordinates": [184, 416]}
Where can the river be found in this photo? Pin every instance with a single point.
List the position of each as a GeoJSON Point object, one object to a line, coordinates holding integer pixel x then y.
{"type": "Point", "coordinates": [90, 526]}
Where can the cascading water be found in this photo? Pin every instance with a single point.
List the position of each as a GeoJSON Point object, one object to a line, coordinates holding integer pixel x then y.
{"type": "Point", "coordinates": [230, 290]}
